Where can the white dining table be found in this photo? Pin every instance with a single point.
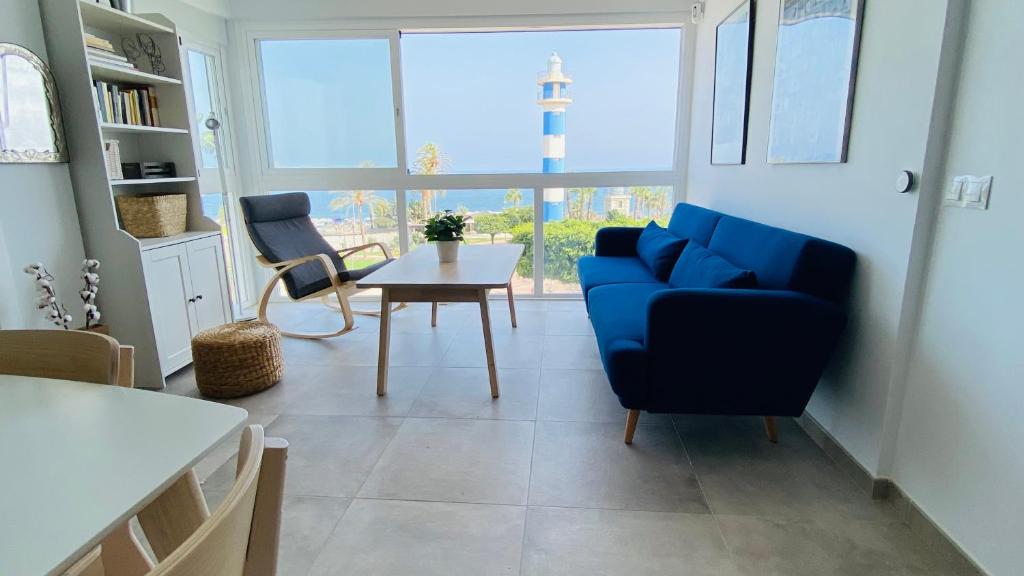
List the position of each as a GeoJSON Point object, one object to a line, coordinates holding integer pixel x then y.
{"type": "Point", "coordinates": [77, 460]}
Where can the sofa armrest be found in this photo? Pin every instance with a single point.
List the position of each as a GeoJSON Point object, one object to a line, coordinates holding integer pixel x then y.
{"type": "Point", "coordinates": [616, 241]}
{"type": "Point", "coordinates": [739, 351]}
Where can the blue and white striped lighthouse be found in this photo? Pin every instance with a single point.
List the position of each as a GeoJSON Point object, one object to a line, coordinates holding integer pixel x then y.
{"type": "Point", "coordinates": [554, 97]}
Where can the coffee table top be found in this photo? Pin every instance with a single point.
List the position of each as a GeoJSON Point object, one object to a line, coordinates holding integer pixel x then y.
{"type": "Point", "coordinates": [478, 266]}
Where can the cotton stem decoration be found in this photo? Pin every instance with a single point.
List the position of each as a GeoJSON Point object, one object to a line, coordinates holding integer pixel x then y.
{"type": "Point", "coordinates": [53, 311]}
{"type": "Point", "coordinates": [88, 293]}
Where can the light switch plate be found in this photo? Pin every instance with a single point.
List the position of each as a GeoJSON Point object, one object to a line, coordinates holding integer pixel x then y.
{"type": "Point", "coordinates": [969, 192]}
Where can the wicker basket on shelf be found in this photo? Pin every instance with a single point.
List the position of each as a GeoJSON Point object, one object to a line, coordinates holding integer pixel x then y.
{"type": "Point", "coordinates": [237, 359]}
{"type": "Point", "coordinates": [154, 216]}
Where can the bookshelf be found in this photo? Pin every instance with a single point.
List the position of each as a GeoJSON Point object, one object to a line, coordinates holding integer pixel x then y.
{"type": "Point", "coordinates": [144, 299]}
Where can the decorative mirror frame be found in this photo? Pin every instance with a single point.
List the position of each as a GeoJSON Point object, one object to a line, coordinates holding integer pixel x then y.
{"type": "Point", "coordinates": [60, 151]}
{"type": "Point", "coordinates": [751, 6]}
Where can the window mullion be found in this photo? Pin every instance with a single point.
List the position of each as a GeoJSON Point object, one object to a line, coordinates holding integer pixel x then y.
{"type": "Point", "coordinates": [538, 241]}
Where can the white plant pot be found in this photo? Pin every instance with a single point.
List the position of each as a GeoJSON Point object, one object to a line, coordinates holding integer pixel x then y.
{"type": "Point", "coordinates": [447, 250]}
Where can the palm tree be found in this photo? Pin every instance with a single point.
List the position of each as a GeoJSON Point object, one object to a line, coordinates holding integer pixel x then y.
{"type": "Point", "coordinates": [430, 160]}
{"type": "Point", "coordinates": [587, 196]}
{"type": "Point", "coordinates": [641, 195]}
{"type": "Point", "coordinates": [575, 204]}
{"type": "Point", "coordinates": [355, 200]}
{"type": "Point", "coordinates": [514, 197]}
{"type": "Point", "coordinates": [659, 198]}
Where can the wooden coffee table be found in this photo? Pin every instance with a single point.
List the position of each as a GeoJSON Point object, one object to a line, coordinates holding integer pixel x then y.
{"type": "Point", "coordinates": [419, 277]}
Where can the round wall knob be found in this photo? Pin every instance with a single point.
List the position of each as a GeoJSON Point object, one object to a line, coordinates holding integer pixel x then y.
{"type": "Point", "coordinates": [905, 181]}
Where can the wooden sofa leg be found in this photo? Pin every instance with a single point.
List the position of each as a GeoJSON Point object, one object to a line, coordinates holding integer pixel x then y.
{"type": "Point", "coordinates": [631, 418]}
{"type": "Point", "coordinates": [769, 427]}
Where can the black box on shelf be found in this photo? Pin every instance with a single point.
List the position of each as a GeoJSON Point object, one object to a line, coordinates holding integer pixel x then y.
{"type": "Point", "coordinates": [131, 170]}
{"type": "Point", "coordinates": [158, 170]}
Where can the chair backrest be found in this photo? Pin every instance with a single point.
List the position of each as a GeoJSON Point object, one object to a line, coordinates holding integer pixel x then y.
{"type": "Point", "coordinates": [219, 546]}
{"type": "Point", "coordinates": [60, 354]}
{"type": "Point", "coordinates": [281, 229]}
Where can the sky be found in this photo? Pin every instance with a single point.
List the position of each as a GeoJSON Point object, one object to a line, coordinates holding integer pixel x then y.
{"type": "Point", "coordinates": [475, 96]}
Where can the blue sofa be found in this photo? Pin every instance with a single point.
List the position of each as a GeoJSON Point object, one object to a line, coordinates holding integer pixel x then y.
{"type": "Point", "coordinates": [723, 350]}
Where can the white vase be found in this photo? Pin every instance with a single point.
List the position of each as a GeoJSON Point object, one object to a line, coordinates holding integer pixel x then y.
{"type": "Point", "coordinates": [447, 250]}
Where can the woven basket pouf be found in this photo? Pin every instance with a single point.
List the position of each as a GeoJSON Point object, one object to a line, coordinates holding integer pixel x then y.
{"type": "Point", "coordinates": [237, 359]}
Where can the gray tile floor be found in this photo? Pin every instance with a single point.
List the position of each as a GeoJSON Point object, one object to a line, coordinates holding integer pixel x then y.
{"type": "Point", "coordinates": [438, 478]}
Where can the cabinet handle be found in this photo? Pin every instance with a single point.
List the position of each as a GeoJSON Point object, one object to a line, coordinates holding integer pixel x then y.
{"type": "Point", "coordinates": [191, 300]}
{"type": "Point", "coordinates": [200, 297]}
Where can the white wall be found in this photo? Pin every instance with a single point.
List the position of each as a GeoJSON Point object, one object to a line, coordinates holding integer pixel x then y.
{"type": "Point", "coordinates": [854, 204]}
{"type": "Point", "coordinates": [960, 449]}
{"type": "Point", "coordinates": [191, 20]}
{"type": "Point", "coordinates": [38, 221]}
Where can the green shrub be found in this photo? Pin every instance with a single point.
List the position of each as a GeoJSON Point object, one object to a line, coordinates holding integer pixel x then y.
{"type": "Point", "coordinates": [501, 222]}
{"type": "Point", "coordinates": [565, 242]}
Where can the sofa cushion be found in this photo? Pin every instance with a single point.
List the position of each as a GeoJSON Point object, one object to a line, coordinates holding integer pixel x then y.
{"type": "Point", "coordinates": [784, 260]}
{"type": "Point", "coordinates": [693, 222]}
{"type": "Point", "coordinates": [699, 267]}
{"type": "Point", "coordinates": [659, 249]}
{"type": "Point", "coordinates": [618, 313]}
{"type": "Point", "coordinates": [602, 270]}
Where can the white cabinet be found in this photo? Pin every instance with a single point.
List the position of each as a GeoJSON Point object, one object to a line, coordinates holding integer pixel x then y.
{"type": "Point", "coordinates": [188, 293]}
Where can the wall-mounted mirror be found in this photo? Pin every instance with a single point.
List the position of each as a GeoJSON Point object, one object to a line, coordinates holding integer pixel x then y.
{"type": "Point", "coordinates": [734, 49]}
{"type": "Point", "coordinates": [30, 123]}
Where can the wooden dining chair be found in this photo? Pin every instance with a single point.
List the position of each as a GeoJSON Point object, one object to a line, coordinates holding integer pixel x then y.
{"type": "Point", "coordinates": [60, 354]}
{"type": "Point", "coordinates": [241, 537]}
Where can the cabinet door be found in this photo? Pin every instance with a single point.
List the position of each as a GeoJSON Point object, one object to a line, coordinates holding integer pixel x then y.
{"type": "Point", "coordinates": [167, 281]}
{"type": "Point", "coordinates": [209, 282]}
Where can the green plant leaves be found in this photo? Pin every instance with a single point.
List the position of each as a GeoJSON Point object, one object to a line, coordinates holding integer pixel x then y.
{"type": "Point", "coordinates": [444, 227]}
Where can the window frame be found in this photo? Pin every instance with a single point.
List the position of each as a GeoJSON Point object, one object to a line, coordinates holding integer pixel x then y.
{"type": "Point", "coordinates": [271, 172]}
{"type": "Point", "coordinates": [267, 179]}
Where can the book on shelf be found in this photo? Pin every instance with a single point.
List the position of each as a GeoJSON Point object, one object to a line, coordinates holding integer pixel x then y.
{"type": "Point", "coordinates": [105, 55]}
{"type": "Point", "coordinates": [131, 105]}
{"type": "Point", "coordinates": [92, 41]}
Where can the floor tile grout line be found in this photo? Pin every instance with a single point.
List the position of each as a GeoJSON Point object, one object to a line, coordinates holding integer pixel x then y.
{"type": "Point", "coordinates": [529, 481]}
{"type": "Point", "coordinates": [327, 540]}
{"type": "Point", "coordinates": [703, 493]}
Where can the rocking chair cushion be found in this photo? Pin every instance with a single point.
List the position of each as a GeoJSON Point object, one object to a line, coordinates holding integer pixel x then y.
{"type": "Point", "coordinates": [281, 230]}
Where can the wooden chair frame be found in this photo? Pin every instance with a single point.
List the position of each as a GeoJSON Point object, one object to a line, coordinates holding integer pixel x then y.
{"type": "Point", "coordinates": [342, 290]}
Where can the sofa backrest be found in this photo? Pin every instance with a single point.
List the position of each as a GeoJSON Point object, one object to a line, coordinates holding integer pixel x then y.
{"type": "Point", "coordinates": [785, 260]}
{"type": "Point", "coordinates": [693, 222]}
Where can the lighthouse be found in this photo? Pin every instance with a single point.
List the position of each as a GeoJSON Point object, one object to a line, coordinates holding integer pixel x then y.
{"type": "Point", "coordinates": [554, 97]}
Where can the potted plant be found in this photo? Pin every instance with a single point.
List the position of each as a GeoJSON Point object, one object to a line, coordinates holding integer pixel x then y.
{"type": "Point", "coordinates": [445, 231]}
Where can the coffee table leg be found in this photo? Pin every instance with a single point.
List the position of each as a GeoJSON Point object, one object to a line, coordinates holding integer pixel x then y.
{"type": "Point", "coordinates": [511, 304]}
{"type": "Point", "coordinates": [485, 319]}
{"type": "Point", "coordinates": [385, 342]}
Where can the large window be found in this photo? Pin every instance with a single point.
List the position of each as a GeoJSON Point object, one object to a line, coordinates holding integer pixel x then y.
{"type": "Point", "coordinates": [329, 103]}
{"type": "Point", "coordinates": [479, 97]}
{"type": "Point", "coordinates": [539, 137]}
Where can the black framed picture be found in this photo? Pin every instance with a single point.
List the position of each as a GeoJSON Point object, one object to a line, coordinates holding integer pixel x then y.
{"type": "Point", "coordinates": [815, 75]}
{"type": "Point", "coordinates": [734, 51]}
